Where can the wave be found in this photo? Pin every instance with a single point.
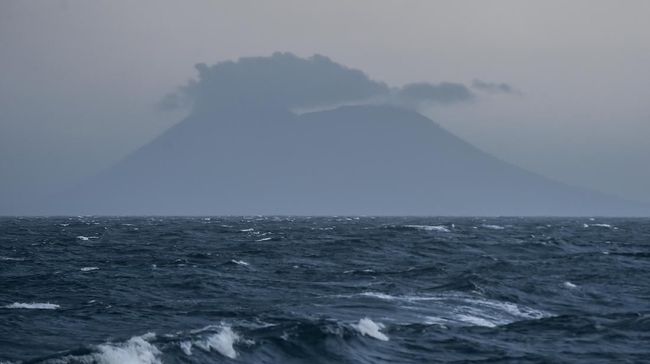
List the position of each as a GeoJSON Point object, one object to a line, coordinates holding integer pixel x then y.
{"type": "Point", "coordinates": [570, 285]}
{"type": "Point", "coordinates": [239, 262]}
{"type": "Point", "coordinates": [86, 238]}
{"type": "Point", "coordinates": [439, 228]}
{"type": "Point", "coordinates": [492, 227]}
{"type": "Point", "coordinates": [278, 342]}
{"type": "Point", "coordinates": [608, 226]}
{"type": "Point", "coordinates": [34, 306]}
{"type": "Point", "coordinates": [88, 269]}
{"type": "Point", "coordinates": [136, 350]}
{"type": "Point", "coordinates": [462, 309]}
{"type": "Point", "coordinates": [222, 342]}
{"type": "Point", "coordinates": [148, 349]}
{"type": "Point", "coordinates": [368, 327]}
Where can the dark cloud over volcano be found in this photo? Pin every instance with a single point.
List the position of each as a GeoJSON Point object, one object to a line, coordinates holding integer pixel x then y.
{"type": "Point", "coordinates": [286, 81]}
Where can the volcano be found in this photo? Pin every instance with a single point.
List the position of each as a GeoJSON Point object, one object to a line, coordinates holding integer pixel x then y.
{"type": "Point", "coordinates": [351, 160]}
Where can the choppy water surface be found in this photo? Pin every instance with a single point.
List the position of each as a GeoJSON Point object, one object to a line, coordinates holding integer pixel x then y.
{"type": "Point", "coordinates": [324, 290]}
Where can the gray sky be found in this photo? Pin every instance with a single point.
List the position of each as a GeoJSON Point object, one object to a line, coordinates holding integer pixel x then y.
{"type": "Point", "coordinates": [79, 80]}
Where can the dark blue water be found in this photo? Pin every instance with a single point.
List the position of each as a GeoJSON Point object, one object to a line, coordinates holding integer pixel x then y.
{"type": "Point", "coordinates": [324, 290]}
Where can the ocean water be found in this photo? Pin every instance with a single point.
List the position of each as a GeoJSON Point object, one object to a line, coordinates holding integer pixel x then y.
{"type": "Point", "coordinates": [324, 290]}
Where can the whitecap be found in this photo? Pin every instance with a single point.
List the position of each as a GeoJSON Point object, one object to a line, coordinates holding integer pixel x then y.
{"type": "Point", "coordinates": [240, 262]}
{"type": "Point", "coordinates": [137, 350]}
{"type": "Point", "coordinates": [384, 296]}
{"type": "Point", "coordinates": [603, 225]}
{"type": "Point", "coordinates": [493, 227]}
{"type": "Point", "coordinates": [475, 320]}
{"type": "Point", "coordinates": [222, 342]}
{"type": "Point", "coordinates": [186, 347]}
{"type": "Point", "coordinates": [570, 285]}
{"type": "Point", "coordinates": [264, 239]}
{"type": "Point", "coordinates": [34, 306]}
{"type": "Point", "coordinates": [247, 230]}
{"type": "Point", "coordinates": [463, 309]}
{"type": "Point", "coordinates": [88, 269]}
{"type": "Point", "coordinates": [379, 295]}
{"type": "Point", "coordinates": [86, 238]}
{"type": "Point", "coordinates": [368, 327]}
{"type": "Point", "coordinates": [439, 228]}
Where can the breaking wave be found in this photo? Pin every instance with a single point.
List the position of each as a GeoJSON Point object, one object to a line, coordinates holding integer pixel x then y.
{"type": "Point", "coordinates": [34, 306]}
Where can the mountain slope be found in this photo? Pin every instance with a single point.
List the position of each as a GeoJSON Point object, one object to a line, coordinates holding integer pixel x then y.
{"type": "Point", "coordinates": [368, 160]}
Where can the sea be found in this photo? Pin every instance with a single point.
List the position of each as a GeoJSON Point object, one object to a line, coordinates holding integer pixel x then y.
{"type": "Point", "coordinates": [278, 289]}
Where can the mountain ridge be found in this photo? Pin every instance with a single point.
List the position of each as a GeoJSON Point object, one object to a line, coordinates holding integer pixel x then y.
{"type": "Point", "coordinates": [351, 160]}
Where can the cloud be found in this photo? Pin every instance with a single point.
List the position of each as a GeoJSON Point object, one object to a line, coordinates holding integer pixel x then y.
{"type": "Point", "coordinates": [417, 94]}
{"type": "Point", "coordinates": [282, 80]}
{"type": "Point", "coordinates": [286, 81]}
{"type": "Point", "coordinates": [494, 87]}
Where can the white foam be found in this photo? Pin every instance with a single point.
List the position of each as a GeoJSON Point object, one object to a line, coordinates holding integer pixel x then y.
{"type": "Point", "coordinates": [475, 320]}
{"type": "Point", "coordinates": [240, 262]}
{"type": "Point", "coordinates": [137, 350]}
{"type": "Point", "coordinates": [264, 239]}
{"type": "Point", "coordinates": [86, 238]}
{"type": "Point", "coordinates": [384, 296]}
{"type": "Point", "coordinates": [34, 306]}
{"type": "Point", "coordinates": [186, 347]}
{"type": "Point", "coordinates": [439, 228]}
{"type": "Point", "coordinates": [379, 295]}
{"type": "Point", "coordinates": [493, 227]}
{"type": "Point", "coordinates": [222, 342]}
{"type": "Point", "coordinates": [464, 309]}
{"type": "Point", "coordinates": [603, 225]}
{"type": "Point", "coordinates": [568, 284]}
{"type": "Point", "coordinates": [247, 230]}
{"type": "Point", "coordinates": [368, 270]}
{"type": "Point", "coordinates": [88, 269]}
{"type": "Point", "coordinates": [368, 327]}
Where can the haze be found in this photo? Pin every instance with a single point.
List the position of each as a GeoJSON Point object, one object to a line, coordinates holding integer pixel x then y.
{"type": "Point", "coordinates": [82, 83]}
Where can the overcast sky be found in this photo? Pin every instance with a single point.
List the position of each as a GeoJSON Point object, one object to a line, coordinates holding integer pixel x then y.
{"type": "Point", "coordinates": [80, 80]}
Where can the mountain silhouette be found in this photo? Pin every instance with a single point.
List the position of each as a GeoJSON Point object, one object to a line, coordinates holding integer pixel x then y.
{"type": "Point", "coordinates": [358, 160]}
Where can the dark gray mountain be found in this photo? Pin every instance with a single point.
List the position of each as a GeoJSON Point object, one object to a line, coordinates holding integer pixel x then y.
{"type": "Point", "coordinates": [363, 160]}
